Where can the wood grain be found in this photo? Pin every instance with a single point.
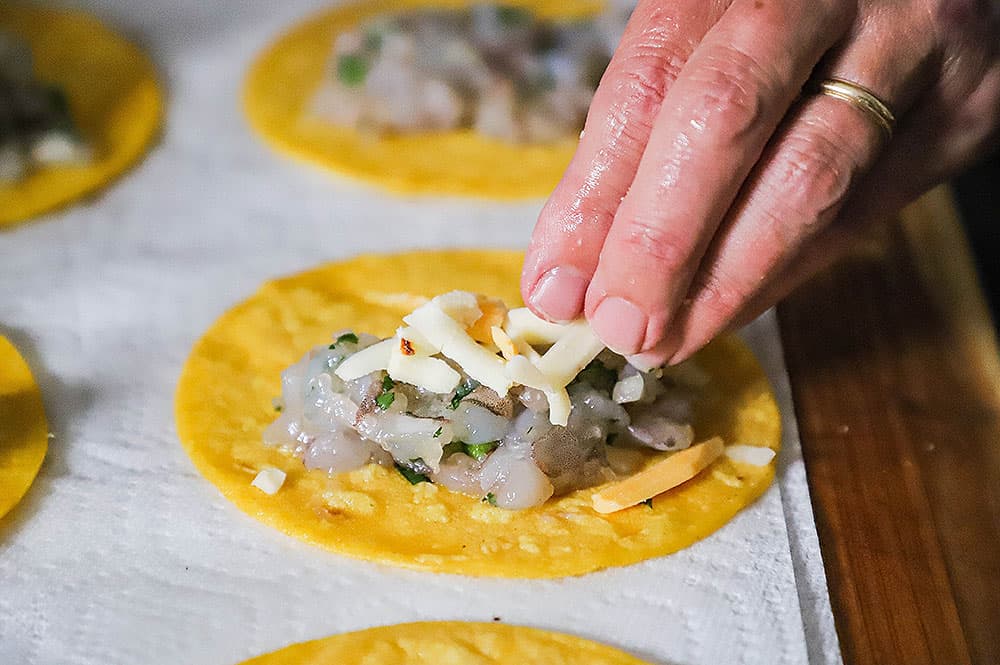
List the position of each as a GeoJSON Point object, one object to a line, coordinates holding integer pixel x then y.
{"type": "Point", "coordinates": [896, 380]}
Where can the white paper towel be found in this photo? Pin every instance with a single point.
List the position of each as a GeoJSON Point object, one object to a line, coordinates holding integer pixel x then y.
{"type": "Point", "coordinates": [121, 553]}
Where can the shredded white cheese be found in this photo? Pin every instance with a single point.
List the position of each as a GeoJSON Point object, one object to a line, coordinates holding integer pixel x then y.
{"type": "Point", "coordinates": [444, 326]}
{"type": "Point", "coordinates": [570, 353]}
{"type": "Point", "coordinates": [450, 336]}
{"type": "Point", "coordinates": [503, 342]}
{"type": "Point", "coordinates": [523, 324]}
{"type": "Point", "coordinates": [559, 406]}
{"type": "Point", "coordinates": [366, 361]}
{"type": "Point", "coordinates": [269, 480]}
{"type": "Point", "coordinates": [428, 373]}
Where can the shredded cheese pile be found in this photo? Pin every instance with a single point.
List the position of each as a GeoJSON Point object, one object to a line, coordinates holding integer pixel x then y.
{"type": "Point", "coordinates": [491, 344]}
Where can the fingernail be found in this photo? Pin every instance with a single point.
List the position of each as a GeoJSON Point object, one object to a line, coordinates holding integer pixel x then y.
{"type": "Point", "coordinates": [620, 324]}
{"type": "Point", "coordinates": [655, 357]}
{"type": "Point", "coordinates": [558, 295]}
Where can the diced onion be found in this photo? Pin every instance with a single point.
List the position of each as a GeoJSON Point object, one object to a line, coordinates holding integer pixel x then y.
{"type": "Point", "coordinates": [755, 455]}
{"type": "Point", "coordinates": [269, 480]}
{"type": "Point", "coordinates": [628, 389]}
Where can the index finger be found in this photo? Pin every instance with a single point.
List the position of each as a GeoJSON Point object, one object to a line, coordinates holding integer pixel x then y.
{"type": "Point", "coordinates": [570, 232]}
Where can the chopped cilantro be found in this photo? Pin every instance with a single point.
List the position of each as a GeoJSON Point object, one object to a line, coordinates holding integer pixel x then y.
{"type": "Point", "coordinates": [348, 337]}
{"type": "Point", "coordinates": [490, 498]}
{"type": "Point", "coordinates": [373, 40]}
{"type": "Point", "coordinates": [57, 99]}
{"type": "Point", "coordinates": [277, 407]}
{"type": "Point", "coordinates": [479, 451]}
{"type": "Point", "coordinates": [648, 503]}
{"type": "Point", "coordinates": [352, 69]}
{"type": "Point", "coordinates": [452, 448]}
{"type": "Point", "coordinates": [59, 107]}
{"type": "Point", "coordinates": [511, 17]}
{"type": "Point", "coordinates": [598, 375]}
{"type": "Point", "coordinates": [437, 433]}
{"type": "Point", "coordinates": [460, 394]}
{"type": "Point", "coordinates": [385, 400]}
{"type": "Point", "coordinates": [412, 476]}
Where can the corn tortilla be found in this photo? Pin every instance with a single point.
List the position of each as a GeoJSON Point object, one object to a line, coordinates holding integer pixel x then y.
{"type": "Point", "coordinates": [224, 403]}
{"type": "Point", "coordinates": [24, 432]}
{"type": "Point", "coordinates": [448, 643]}
{"type": "Point", "coordinates": [283, 80]}
{"type": "Point", "coordinates": [114, 98]}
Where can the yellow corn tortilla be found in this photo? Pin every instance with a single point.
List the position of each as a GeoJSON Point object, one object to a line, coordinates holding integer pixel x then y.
{"type": "Point", "coordinates": [281, 84]}
{"type": "Point", "coordinates": [113, 95]}
{"type": "Point", "coordinates": [224, 403]}
{"type": "Point", "coordinates": [448, 643]}
{"type": "Point", "coordinates": [24, 432]}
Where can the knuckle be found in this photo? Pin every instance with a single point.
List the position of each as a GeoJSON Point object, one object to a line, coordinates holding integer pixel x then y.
{"type": "Point", "coordinates": [734, 90]}
{"type": "Point", "coordinates": [598, 211]}
{"type": "Point", "coordinates": [647, 66]}
{"type": "Point", "coordinates": [639, 82]}
{"type": "Point", "coordinates": [721, 295]}
{"type": "Point", "coordinates": [814, 176]}
{"type": "Point", "coordinates": [651, 243]}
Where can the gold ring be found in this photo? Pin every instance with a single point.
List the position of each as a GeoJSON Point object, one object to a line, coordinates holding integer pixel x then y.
{"type": "Point", "coordinates": [862, 99]}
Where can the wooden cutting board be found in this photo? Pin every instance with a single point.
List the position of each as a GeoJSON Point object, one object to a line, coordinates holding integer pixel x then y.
{"type": "Point", "coordinates": [896, 379]}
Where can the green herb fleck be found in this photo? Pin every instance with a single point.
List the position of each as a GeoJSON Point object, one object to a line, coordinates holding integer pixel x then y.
{"type": "Point", "coordinates": [452, 448]}
{"type": "Point", "coordinates": [277, 407]}
{"type": "Point", "coordinates": [57, 99]}
{"type": "Point", "coordinates": [412, 476]}
{"type": "Point", "coordinates": [648, 503]}
{"type": "Point", "coordinates": [479, 451]}
{"type": "Point", "coordinates": [598, 375]}
{"type": "Point", "coordinates": [385, 400]}
{"type": "Point", "coordinates": [347, 337]}
{"type": "Point", "coordinates": [373, 40]}
{"type": "Point", "coordinates": [59, 109]}
{"type": "Point", "coordinates": [460, 394]}
{"type": "Point", "coordinates": [511, 17]}
{"type": "Point", "coordinates": [490, 498]}
{"type": "Point", "coordinates": [352, 69]}
{"type": "Point", "coordinates": [387, 383]}
{"type": "Point", "coordinates": [437, 433]}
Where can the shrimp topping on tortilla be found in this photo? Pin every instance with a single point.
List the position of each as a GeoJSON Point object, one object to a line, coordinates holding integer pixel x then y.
{"type": "Point", "coordinates": [490, 402]}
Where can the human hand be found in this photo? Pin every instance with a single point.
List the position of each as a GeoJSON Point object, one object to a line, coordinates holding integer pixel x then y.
{"type": "Point", "coordinates": [705, 188]}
